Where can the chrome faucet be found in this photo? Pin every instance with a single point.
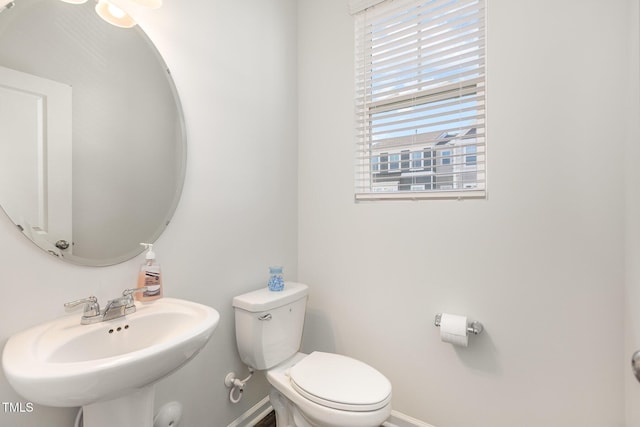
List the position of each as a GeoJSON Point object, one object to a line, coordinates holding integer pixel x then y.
{"type": "Point", "coordinates": [115, 308]}
{"type": "Point", "coordinates": [91, 309]}
{"type": "Point", "coordinates": [121, 306]}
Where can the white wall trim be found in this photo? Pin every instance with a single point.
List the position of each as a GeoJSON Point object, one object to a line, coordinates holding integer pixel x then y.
{"type": "Point", "coordinates": [260, 410]}
{"type": "Point", "coordinates": [398, 419]}
{"type": "Point", "coordinates": [254, 414]}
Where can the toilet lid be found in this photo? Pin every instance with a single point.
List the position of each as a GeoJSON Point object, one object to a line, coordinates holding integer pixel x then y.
{"type": "Point", "coordinates": [340, 382]}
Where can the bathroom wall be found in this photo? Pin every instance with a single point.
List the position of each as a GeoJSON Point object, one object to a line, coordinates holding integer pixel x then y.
{"type": "Point", "coordinates": [632, 227]}
{"type": "Point", "coordinates": [540, 262]}
{"type": "Point", "coordinates": [234, 64]}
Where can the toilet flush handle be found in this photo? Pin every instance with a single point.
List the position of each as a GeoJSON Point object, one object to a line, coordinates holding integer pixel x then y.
{"type": "Point", "coordinates": [265, 317]}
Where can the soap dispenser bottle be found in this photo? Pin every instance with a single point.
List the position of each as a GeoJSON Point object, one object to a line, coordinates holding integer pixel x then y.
{"type": "Point", "coordinates": [149, 276]}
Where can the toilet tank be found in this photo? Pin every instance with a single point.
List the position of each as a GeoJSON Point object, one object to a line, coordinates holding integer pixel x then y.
{"type": "Point", "coordinates": [269, 324]}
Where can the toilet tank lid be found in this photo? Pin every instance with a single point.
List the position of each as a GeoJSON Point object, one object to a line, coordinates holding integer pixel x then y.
{"type": "Point", "coordinates": [264, 299]}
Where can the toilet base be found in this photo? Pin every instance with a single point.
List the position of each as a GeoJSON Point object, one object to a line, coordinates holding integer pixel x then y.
{"type": "Point", "coordinates": [287, 415]}
{"type": "Point", "coordinates": [294, 410]}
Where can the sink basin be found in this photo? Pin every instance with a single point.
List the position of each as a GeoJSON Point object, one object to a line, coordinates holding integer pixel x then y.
{"type": "Point", "coordinates": [63, 363]}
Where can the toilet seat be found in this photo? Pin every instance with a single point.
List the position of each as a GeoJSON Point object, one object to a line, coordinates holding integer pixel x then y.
{"type": "Point", "coordinates": [340, 382]}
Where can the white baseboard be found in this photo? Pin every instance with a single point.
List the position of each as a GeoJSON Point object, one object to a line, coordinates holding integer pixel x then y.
{"type": "Point", "coordinates": [253, 414]}
{"type": "Point", "coordinates": [398, 419]}
{"type": "Point", "coordinates": [260, 410]}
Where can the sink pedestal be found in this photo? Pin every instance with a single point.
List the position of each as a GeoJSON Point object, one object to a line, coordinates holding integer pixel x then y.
{"type": "Point", "coordinates": [131, 410]}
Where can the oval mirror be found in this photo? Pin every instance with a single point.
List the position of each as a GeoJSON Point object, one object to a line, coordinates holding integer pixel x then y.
{"type": "Point", "coordinates": [92, 138]}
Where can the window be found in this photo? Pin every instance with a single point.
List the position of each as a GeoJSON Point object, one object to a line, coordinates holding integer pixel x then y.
{"type": "Point", "coordinates": [384, 162]}
{"type": "Point", "coordinates": [416, 160]}
{"type": "Point", "coordinates": [427, 154]}
{"type": "Point", "coordinates": [470, 155]}
{"type": "Point", "coordinates": [445, 156]}
{"type": "Point", "coordinates": [404, 156]}
{"type": "Point", "coordinates": [420, 99]}
{"type": "Point", "coordinates": [394, 162]}
{"type": "Point", "coordinates": [375, 163]}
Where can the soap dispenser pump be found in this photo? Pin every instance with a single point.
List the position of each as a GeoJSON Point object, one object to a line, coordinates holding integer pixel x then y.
{"type": "Point", "coordinates": [149, 276]}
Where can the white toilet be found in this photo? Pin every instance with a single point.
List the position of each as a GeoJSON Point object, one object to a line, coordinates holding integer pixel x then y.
{"type": "Point", "coordinates": [315, 390]}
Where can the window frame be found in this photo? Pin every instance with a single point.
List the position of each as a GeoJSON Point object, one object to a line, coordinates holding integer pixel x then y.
{"type": "Point", "coordinates": [427, 100]}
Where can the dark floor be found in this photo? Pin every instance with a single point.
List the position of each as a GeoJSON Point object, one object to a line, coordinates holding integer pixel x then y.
{"type": "Point", "coordinates": [268, 421]}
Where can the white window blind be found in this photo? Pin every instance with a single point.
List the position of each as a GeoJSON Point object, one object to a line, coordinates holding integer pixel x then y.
{"type": "Point", "coordinates": [420, 100]}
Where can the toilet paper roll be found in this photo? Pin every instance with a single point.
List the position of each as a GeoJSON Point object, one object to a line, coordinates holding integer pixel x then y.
{"type": "Point", "coordinates": [453, 329]}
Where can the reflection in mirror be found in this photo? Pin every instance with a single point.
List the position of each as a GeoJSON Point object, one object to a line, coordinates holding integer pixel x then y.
{"type": "Point", "coordinates": [92, 143]}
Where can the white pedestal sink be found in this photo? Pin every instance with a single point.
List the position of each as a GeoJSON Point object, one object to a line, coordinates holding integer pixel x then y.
{"type": "Point", "coordinates": [108, 368]}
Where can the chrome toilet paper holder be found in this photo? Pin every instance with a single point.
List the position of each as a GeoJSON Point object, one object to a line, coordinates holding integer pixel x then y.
{"type": "Point", "coordinates": [474, 328]}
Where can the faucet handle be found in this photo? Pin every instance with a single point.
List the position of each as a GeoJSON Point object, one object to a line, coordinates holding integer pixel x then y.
{"type": "Point", "coordinates": [128, 294]}
{"type": "Point", "coordinates": [91, 306]}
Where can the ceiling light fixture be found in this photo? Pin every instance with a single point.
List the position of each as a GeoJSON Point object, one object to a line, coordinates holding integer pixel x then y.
{"type": "Point", "coordinates": [113, 14]}
{"type": "Point", "coordinates": [6, 4]}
